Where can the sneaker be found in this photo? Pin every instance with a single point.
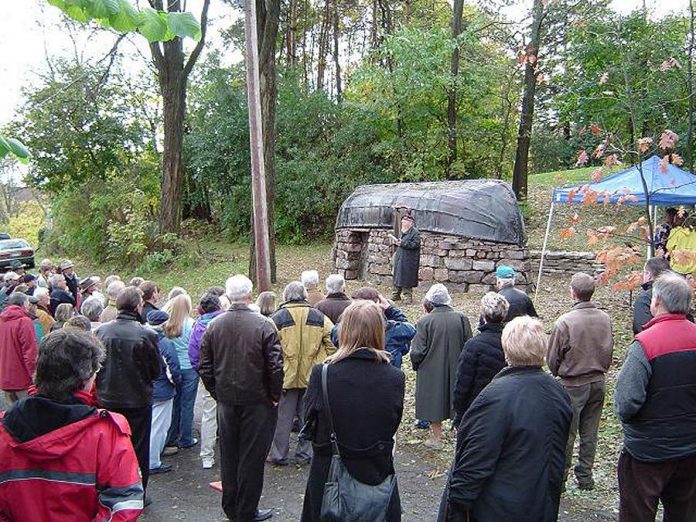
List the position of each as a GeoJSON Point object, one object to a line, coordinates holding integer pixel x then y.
{"type": "Point", "coordinates": [169, 451]}
{"type": "Point", "coordinates": [163, 468]}
{"type": "Point", "coordinates": [422, 424]}
{"type": "Point", "coordinates": [208, 463]}
{"type": "Point", "coordinates": [190, 445]}
{"type": "Point", "coordinates": [283, 462]}
{"type": "Point", "coordinates": [302, 462]}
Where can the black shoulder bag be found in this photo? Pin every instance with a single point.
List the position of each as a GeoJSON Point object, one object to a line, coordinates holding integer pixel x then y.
{"type": "Point", "coordinates": [345, 498]}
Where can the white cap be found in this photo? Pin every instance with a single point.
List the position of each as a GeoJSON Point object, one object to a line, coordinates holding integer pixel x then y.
{"type": "Point", "coordinates": [11, 276]}
{"type": "Point", "coordinates": [438, 295]}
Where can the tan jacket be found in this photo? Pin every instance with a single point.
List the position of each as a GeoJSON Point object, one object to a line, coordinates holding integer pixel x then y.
{"type": "Point", "coordinates": [314, 295]}
{"type": "Point", "coordinates": [305, 335]}
{"type": "Point", "coordinates": [581, 345]}
{"type": "Point", "coordinates": [45, 320]}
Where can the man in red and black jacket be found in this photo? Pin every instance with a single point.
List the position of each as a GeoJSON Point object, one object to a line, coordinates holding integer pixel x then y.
{"type": "Point", "coordinates": [61, 458]}
{"type": "Point", "coordinates": [656, 401]}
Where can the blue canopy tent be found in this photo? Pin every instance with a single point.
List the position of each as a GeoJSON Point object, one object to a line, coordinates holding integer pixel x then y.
{"type": "Point", "coordinates": [672, 188]}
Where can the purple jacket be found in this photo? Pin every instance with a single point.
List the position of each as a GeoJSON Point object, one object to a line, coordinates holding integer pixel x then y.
{"type": "Point", "coordinates": [199, 327]}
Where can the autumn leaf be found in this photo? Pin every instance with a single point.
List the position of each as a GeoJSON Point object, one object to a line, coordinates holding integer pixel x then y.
{"type": "Point", "coordinates": [644, 144]}
{"type": "Point", "coordinates": [574, 219]}
{"type": "Point", "coordinates": [567, 233]}
{"type": "Point", "coordinates": [631, 197]}
{"type": "Point", "coordinates": [611, 160]}
{"type": "Point", "coordinates": [583, 158]}
{"type": "Point", "coordinates": [668, 64]}
{"type": "Point", "coordinates": [604, 78]}
{"type": "Point", "coordinates": [681, 212]}
{"type": "Point", "coordinates": [592, 238]}
{"type": "Point", "coordinates": [664, 164]}
{"type": "Point", "coordinates": [597, 175]}
{"type": "Point", "coordinates": [677, 160]}
{"type": "Point", "coordinates": [532, 59]}
{"type": "Point", "coordinates": [668, 140]}
{"type": "Point", "coordinates": [595, 129]}
{"type": "Point", "coordinates": [590, 198]}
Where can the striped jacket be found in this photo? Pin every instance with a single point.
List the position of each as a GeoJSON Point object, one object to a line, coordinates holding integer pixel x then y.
{"type": "Point", "coordinates": [82, 471]}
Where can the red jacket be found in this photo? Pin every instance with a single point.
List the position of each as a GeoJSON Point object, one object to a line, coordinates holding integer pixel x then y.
{"type": "Point", "coordinates": [83, 471]}
{"type": "Point", "coordinates": [18, 349]}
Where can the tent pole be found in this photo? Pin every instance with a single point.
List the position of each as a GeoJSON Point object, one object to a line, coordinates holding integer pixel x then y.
{"type": "Point", "coordinates": [653, 217]}
{"type": "Point", "coordinates": [543, 249]}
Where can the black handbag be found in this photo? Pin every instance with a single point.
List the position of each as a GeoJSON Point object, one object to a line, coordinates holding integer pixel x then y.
{"type": "Point", "coordinates": [345, 498]}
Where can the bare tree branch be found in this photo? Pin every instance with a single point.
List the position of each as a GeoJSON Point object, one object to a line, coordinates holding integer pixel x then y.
{"type": "Point", "coordinates": [199, 46]}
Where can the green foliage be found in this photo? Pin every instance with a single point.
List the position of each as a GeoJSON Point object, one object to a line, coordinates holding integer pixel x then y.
{"type": "Point", "coordinates": [27, 222]}
{"type": "Point", "coordinates": [121, 16]}
{"type": "Point", "coordinates": [13, 147]}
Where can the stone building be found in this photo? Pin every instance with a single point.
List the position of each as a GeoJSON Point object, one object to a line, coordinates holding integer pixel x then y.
{"type": "Point", "coordinates": [467, 229]}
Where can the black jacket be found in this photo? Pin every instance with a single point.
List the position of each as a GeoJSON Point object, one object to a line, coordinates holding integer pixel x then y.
{"type": "Point", "coordinates": [367, 401]}
{"type": "Point", "coordinates": [60, 296]}
{"type": "Point", "coordinates": [641, 308]}
{"type": "Point", "coordinates": [132, 363]}
{"type": "Point", "coordinates": [407, 260]}
{"type": "Point", "coordinates": [241, 358]}
{"type": "Point", "coordinates": [147, 308]}
{"type": "Point", "coordinates": [520, 303]}
{"type": "Point", "coordinates": [481, 359]}
{"type": "Point", "coordinates": [510, 453]}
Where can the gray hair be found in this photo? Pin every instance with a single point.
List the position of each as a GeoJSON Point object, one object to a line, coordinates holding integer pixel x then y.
{"type": "Point", "coordinates": [110, 279]}
{"type": "Point", "coordinates": [17, 298]}
{"type": "Point", "coordinates": [40, 292]}
{"type": "Point", "coordinates": [55, 279]}
{"type": "Point", "coordinates": [494, 307]}
{"type": "Point", "coordinates": [310, 277]}
{"type": "Point", "coordinates": [335, 284]}
{"type": "Point", "coordinates": [177, 290]}
{"type": "Point", "coordinates": [674, 293]}
{"type": "Point", "coordinates": [92, 307]}
{"type": "Point", "coordinates": [505, 282]}
{"type": "Point", "coordinates": [238, 287]}
{"type": "Point", "coordinates": [438, 295]}
{"type": "Point", "coordinates": [67, 360]}
{"type": "Point", "coordinates": [295, 291]}
{"type": "Point", "coordinates": [114, 289]}
{"type": "Point", "coordinates": [45, 264]}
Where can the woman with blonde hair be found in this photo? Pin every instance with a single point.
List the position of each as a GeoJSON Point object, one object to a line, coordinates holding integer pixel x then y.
{"type": "Point", "coordinates": [178, 330]}
{"type": "Point", "coordinates": [366, 399]}
{"type": "Point", "coordinates": [266, 301]}
{"type": "Point", "coordinates": [64, 312]}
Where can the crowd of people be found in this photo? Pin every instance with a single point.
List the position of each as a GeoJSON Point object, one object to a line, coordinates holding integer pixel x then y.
{"type": "Point", "coordinates": [100, 380]}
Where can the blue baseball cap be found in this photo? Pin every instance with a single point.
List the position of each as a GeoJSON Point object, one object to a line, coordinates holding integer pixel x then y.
{"type": "Point", "coordinates": [505, 272]}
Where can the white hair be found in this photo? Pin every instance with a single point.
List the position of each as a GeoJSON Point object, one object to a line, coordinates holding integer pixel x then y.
{"type": "Point", "coordinates": [55, 279]}
{"type": "Point", "coordinates": [40, 292]}
{"type": "Point", "coordinates": [310, 277]}
{"type": "Point", "coordinates": [438, 295]}
{"type": "Point", "coordinates": [114, 289]}
{"type": "Point", "coordinates": [295, 291]}
{"type": "Point", "coordinates": [335, 284]}
{"type": "Point", "coordinates": [238, 287]}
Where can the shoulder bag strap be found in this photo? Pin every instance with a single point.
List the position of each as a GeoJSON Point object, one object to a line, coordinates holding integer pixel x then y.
{"type": "Point", "coordinates": [325, 391]}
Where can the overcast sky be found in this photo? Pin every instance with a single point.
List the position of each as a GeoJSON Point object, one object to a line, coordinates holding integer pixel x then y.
{"type": "Point", "coordinates": [29, 32]}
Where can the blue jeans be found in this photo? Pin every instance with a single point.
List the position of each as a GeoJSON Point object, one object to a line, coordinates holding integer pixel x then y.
{"type": "Point", "coordinates": [181, 431]}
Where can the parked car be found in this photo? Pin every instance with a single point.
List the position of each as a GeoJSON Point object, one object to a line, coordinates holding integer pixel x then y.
{"type": "Point", "coordinates": [16, 250]}
{"type": "Point", "coordinates": [4, 235]}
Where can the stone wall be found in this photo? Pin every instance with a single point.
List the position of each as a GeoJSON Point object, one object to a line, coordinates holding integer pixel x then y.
{"type": "Point", "coordinates": [566, 263]}
{"type": "Point", "coordinates": [464, 264]}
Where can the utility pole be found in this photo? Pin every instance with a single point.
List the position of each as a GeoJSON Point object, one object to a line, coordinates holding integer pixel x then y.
{"type": "Point", "coordinates": [258, 174]}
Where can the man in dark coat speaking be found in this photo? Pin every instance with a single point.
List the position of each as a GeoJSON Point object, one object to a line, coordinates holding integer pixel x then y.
{"type": "Point", "coordinates": [406, 259]}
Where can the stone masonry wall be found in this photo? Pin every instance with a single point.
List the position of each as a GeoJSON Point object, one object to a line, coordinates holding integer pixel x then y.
{"type": "Point", "coordinates": [565, 263]}
{"type": "Point", "coordinates": [464, 264]}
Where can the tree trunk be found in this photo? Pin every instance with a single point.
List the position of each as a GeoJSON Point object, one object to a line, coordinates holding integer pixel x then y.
{"type": "Point", "coordinates": [337, 62]}
{"type": "Point", "coordinates": [292, 34]}
{"type": "Point", "coordinates": [323, 45]}
{"type": "Point", "coordinates": [452, 91]}
{"type": "Point", "coordinates": [173, 72]}
{"type": "Point", "coordinates": [524, 135]}
{"type": "Point", "coordinates": [267, 16]}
